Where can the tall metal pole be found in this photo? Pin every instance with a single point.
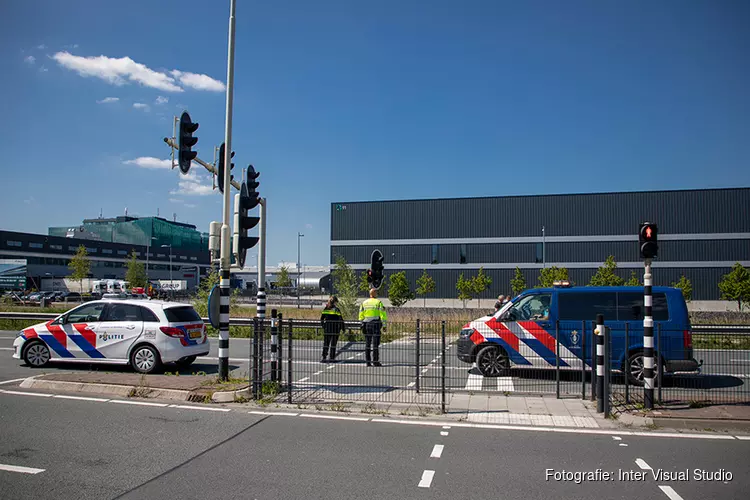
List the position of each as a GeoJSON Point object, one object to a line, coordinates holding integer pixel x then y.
{"type": "Point", "coordinates": [299, 235]}
{"type": "Point", "coordinates": [225, 250]}
{"type": "Point", "coordinates": [171, 282]}
{"type": "Point", "coordinates": [261, 295]}
{"type": "Point", "coordinates": [148, 250]}
{"type": "Point", "coordinates": [648, 340]}
{"type": "Point", "coordinates": [544, 248]}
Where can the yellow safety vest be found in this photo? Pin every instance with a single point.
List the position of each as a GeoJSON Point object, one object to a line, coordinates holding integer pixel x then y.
{"type": "Point", "coordinates": [372, 309]}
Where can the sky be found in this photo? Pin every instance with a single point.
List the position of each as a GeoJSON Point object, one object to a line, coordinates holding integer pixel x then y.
{"type": "Point", "coordinates": [340, 101]}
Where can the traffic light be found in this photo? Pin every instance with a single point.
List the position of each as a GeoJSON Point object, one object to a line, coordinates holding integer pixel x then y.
{"type": "Point", "coordinates": [185, 142]}
{"type": "Point", "coordinates": [375, 273]}
{"type": "Point", "coordinates": [647, 240]}
{"type": "Point", "coordinates": [220, 176]}
{"type": "Point", "coordinates": [247, 199]}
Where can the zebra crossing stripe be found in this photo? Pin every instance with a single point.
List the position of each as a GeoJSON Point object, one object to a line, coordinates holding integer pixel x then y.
{"type": "Point", "coordinates": [505, 384]}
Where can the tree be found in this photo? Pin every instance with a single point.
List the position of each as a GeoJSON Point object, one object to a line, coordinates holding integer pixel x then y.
{"type": "Point", "coordinates": [465, 288]}
{"type": "Point", "coordinates": [364, 285]}
{"type": "Point", "coordinates": [399, 291]}
{"type": "Point", "coordinates": [80, 266]}
{"type": "Point", "coordinates": [606, 275]}
{"type": "Point", "coordinates": [480, 283]}
{"type": "Point", "coordinates": [345, 286]}
{"type": "Point", "coordinates": [686, 286]}
{"type": "Point", "coordinates": [136, 272]}
{"type": "Point", "coordinates": [736, 285]}
{"type": "Point", "coordinates": [200, 302]}
{"type": "Point", "coordinates": [548, 275]}
{"type": "Point", "coordinates": [282, 279]}
{"type": "Point", "coordinates": [518, 283]}
{"type": "Point", "coordinates": [633, 280]}
{"type": "Point", "coordinates": [425, 285]}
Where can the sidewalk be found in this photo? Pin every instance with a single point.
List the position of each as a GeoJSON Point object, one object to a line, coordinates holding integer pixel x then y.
{"type": "Point", "coordinates": [715, 417]}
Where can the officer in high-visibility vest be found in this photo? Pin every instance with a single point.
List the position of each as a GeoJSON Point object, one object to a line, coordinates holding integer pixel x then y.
{"type": "Point", "coordinates": [373, 317]}
{"type": "Point", "coordinates": [332, 323]}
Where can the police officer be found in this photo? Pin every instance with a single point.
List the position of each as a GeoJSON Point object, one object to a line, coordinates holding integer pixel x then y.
{"type": "Point", "coordinates": [373, 317]}
{"type": "Point", "coordinates": [332, 323]}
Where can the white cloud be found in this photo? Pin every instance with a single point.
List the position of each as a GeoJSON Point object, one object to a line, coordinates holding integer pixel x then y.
{"type": "Point", "coordinates": [29, 200]}
{"type": "Point", "coordinates": [41, 47]}
{"type": "Point", "coordinates": [189, 205]}
{"type": "Point", "coordinates": [308, 226]}
{"type": "Point", "coordinates": [198, 82]}
{"type": "Point", "coordinates": [29, 59]}
{"type": "Point", "coordinates": [116, 71]}
{"type": "Point", "coordinates": [193, 185]}
{"type": "Point", "coordinates": [108, 100]}
{"type": "Point", "coordinates": [43, 69]}
{"type": "Point", "coordinates": [175, 200]}
{"type": "Point", "coordinates": [150, 162]}
{"type": "Point", "coordinates": [140, 105]}
{"type": "Point", "coordinates": [73, 46]}
{"type": "Point", "coordinates": [162, 100]}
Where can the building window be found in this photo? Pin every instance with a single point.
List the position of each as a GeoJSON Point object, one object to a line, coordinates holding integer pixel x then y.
{"type": "Point", "coordinates": [107, 250]}
{"type": "Point", "coordinates": [194, 258]}
{"type": "Point", "coordinates": [55, 247]}
{"type": "Point", "coordinates": [160, 255]}
{"type": "Point", "coordinates": [539, 257]}
{"type": "Point", "coordinates": [122, 252]}
{"type": "Point", "coordinates": [435, 254]}
{"type": "Point", "coordinates": [183, 257]}
{"type": "Point", "coordinates": [12, 243]}
{"type": "Point", "coordinates": [72, 249]}
{"type": "Point", "coordinates": [36, 245]}
{"type": "Point", "coordinates": [150, 254]}
{"type": "Point", "coordinates": [137, 254]}
{"type": "Point", "coordinates": [463, 253]}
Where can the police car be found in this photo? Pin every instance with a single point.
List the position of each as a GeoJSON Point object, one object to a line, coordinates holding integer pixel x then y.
{"type": "Point", "coordinates": [141, 333]}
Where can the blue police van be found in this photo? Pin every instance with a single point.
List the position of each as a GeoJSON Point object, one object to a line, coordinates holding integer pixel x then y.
{"type": "Point", "coordinates": [525, 331]}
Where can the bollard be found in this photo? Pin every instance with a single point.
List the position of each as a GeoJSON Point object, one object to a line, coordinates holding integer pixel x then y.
{"type": "Point", "coordinates": [557, 359]}
{"type": "Point", "coordinates": [583, 359]}
{"type": "Point", "coordinates": [280, 349]}
{"type": "Point", "coordinates": [255, 370]}
{"type": "Point", "coordinates": [627, 365]}
{"type": "Point", "coordinates": [289, 364]}
{"type": "Point", "coordinates": [659, 365]}
{"type": "Point", "coordinates": [593, 362]}
{"type": "Point", "coordinates": [607, 371]}
{"type": "Point", "coordinates": [416, 362]}
{"type": "Point", "coordinates": [442, 367]}
{"type": "Point", "coordinates": [599, 332]}
{"type": "Point", "coordinates": [274, 345]}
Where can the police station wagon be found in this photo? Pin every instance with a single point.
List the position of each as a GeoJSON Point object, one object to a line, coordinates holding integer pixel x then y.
{"type": "Point", "coordinates": [523, 333]}
{"type": "Point", "coordinates": [141, 333]}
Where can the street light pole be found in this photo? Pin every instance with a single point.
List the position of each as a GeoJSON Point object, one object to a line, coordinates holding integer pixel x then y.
{"type": "Point", "coordinates": [148, 251]}
{"type": "Point", "coordinates": [544, 248]}
{"type": "Point", "coordinates": [299, 235]}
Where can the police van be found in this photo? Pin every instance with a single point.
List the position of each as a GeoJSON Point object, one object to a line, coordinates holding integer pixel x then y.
{"type": "Point", "coordinates": [524, 332]}
{"type": "Point", "coordinates": [141, 333]}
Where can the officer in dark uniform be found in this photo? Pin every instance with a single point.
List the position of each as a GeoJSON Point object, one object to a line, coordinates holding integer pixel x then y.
{"type": "Point", "coordinates": [333, 324]}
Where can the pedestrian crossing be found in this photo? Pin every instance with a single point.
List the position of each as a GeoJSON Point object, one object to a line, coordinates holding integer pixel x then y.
{"type": "Point", "coordinates": [477, 382]}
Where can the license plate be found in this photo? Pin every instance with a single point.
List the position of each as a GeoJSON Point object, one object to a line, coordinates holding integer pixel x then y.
{"type": "Point", "coordinates": [194, 334]}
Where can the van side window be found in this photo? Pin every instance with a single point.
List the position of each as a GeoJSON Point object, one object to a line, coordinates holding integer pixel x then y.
{"type": "Point", "coordinates": [630, 306]}
{"type": "Point", "coordinates": [528, 308]}
{"type": "Point", "coordinates": [574, 306]}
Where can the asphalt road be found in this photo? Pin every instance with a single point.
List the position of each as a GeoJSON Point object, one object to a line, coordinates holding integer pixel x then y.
{"type": "Point", "coordinates": [725, 376]}
{"type": "Point", "coordinates": [100, 450]}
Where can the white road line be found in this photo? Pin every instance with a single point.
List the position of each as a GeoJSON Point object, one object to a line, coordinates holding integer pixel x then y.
{"type": "Point", "coordinates": [7, 348]}
{"type": "Point", "coordinates": [434, 360]}
{"type": "Point", "coordinates": [424, 371]}
{"type": "Point", "coordinates": [411, 384]}
{"type": "Point", "coordinates": [642, 464]}
{"type": "Point", "coordinates": [204, 408]}
{"type": "Point", "coordinates": [303, 379]}
{"type": "Point", "coordinates": [351, 357]}
{"type": "Point", "coordinates": [11, 381]}
{"type": "Point", "coordinates": [617, 438]}
{"type": "Point", "coordinates": [446, 427]}
{"type": "Point", "coordinates": [18, 468]}
{"type": "Point", "coordinates": [743, 438]}
{"type": "Point", "coordinates": [7, 338]}
{"type": "Point", "coordinates": [505, 384]}
{"type": "Point", "coordinates": [21, 393]}
{"type": "Point", "coordinates": [137, 403]}
{"type": "Point", "coordinates": [318, 373]}
{"type": "Point", "coordinates": [81, 398]}
{"type": "Point", "coordinates": [334, 417]}
{"type": "Point", "coordinates": [330, 368]}
{"type": "Point", "coordinates": [623, 444]}
{"type": "Point", "coordinates": [672, 494]}
{"type": "Point", "coordinates": [437, 450]}
{"type": "Point", "coordinates": [443, 433]}
{"type": "Point", "coordinates": [426, 480]}
{"type": "Point", "coordinates": [474, 382]}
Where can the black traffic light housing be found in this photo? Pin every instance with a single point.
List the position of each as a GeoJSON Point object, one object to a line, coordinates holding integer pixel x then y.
{"type": "Point", "coordinates": [648, 234]}
{"type": "Point", "coordinates": [220, 176]}
{"type": "Point", "coordinates": [247, 199]}
{"type": "Point", "coordinates": [185, 142]}
{"type": "Point", "coordinates": [375, 273]}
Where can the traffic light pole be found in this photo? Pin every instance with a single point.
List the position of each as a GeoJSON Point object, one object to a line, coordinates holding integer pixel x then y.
{"type": "Point", "coordinates": [648, 339]}
{"type": "Point", "coordinates": [261, 296]}
{"type": "Point", "coordinates": [225, 248]}
{"type": "Point", "coordinates": [207, 166]}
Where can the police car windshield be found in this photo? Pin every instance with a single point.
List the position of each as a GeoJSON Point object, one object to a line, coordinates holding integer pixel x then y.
{"type": "Point", "coordinates": [503, 309]}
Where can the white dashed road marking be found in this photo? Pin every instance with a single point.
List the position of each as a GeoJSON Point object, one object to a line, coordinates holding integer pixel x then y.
{"type": "Point", "coordinates": [11, 381]}
{"type": "Point", "coordinates": [623, 444]}
{"type": "Point", "coordinates": [672, 494]}
{"type": "Point", "coordinates": [437, 450]}
{"type": "Point", "coordinates": [17, 468]}
{"type": "Point", "coordinates": [642, 464]}
{"type": "Point", "coordinates": [617, 438]}
{"type": "Point", "coordinates": [81, 398]}
{"type": "Point", "coordinates": [426, 480]}
{"type": "Point", "coordinates": [443, 433]}
{"type": "Point", "coordinates": [138, 403]}
{"type": "Point", "coordinates": [204, 408]}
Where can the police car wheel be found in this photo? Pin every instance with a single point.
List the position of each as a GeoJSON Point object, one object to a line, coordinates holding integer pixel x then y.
{"type": "Point", "coordinates": [36, 354]}
{"type": "Point", "coordinates": [635, 369]}
{"type": "Point", "coordinates": [145, 359]}
{"type": "Point", "coordinates": [186, 361]}
{"type": "Point", "coordinates": [492, 361]}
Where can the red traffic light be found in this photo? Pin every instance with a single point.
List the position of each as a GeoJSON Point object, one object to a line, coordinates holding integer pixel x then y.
{"type": "Point", "coordinates": [648, 240]}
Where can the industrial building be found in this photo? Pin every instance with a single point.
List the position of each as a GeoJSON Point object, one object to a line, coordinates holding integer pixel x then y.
{"type": "Point", "coordinates": [702, 233]}
{"type": "Point", "coordinates": [166, 247]}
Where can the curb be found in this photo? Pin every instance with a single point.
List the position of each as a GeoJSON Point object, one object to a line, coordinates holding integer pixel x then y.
{"type": "Point", "coordinates": [130, 391]}
{"type": "Point", "coordinates": [702, 423]}
{"type": "Point", "coordinates": [632, 420]}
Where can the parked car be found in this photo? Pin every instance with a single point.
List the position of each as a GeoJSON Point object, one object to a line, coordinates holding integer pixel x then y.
{"type": "Point", "coordinates": [70, 296]}
{"type": "Point", "coordinates": [141, 333]}
{"type": "Point", "coordinates": [524, 331]}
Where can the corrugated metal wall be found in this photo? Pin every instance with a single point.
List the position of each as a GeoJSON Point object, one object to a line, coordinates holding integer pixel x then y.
{"type": "Point", "coordinates": [696, 211]}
